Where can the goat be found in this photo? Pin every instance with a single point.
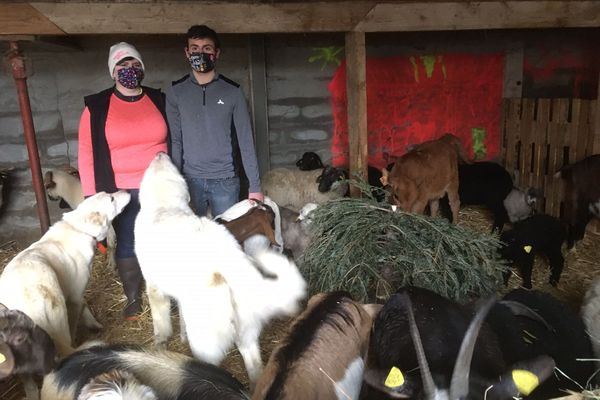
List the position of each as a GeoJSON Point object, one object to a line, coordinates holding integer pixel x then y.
{"type": "Point", "coordinates": [295, 230]}
{"type": "Point", "coordinates": [63, 184]}
{"type": "Point", "coordinates": [25, 349]}
{"type": "Point", "coordinates": [309, 161]}
{"type": "Point", "coordinates": [323, 355]}
{"type": "Point", "coordinates": [251, 217]}
{"type": "Point", "coordinates": [521, 204]}
{"type": "Point", "coordinates": [145, 373]}
{"type": "Point", "coordinates": [425, 174]}
{"type": "Point", "coordinates": [293, 188]}
{"type": "Point", "coordinates": [581, 188]}
{"type": "Point", "coordinates": [538, 234]}
{"type": "Point", "coordinates": [224, 295]}
{"type": "Point", "coordinates": [462, 360]}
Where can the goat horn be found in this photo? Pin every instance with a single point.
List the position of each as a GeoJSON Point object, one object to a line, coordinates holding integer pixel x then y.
{"type": "Point", "coordinates": [428, 384]}
{"type": "Point", "coordinates": [459, 385]}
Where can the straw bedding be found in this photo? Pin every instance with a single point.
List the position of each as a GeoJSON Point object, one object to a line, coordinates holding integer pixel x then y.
{"type": "Point", "coordinates": [106, 300]}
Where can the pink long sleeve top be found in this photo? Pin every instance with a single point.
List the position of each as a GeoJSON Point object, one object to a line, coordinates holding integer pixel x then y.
{"type": "Point", "coordinates": [135, 132]}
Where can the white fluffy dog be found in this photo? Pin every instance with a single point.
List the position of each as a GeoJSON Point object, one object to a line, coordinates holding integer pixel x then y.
{"type": "Point", "coordinates": [47, 280]}
{"type": "Point", "coordinates": [225, 296]}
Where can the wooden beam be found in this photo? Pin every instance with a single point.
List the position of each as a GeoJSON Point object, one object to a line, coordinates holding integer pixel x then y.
{"type": "Point", "coordinates": [224, 17]}
{"type": "Point", "coordinates": [513, 71]}
{"type": "Point", "coordinates": [356, 93]}
{"type": "Point", "coordinates": [464, 15]}
{"type": "Point", "coordinates": [596, 126]}
{"type": "Point", "coordinates": [258, 100]}
{"type": "Point", "coordinates": [23, 19]}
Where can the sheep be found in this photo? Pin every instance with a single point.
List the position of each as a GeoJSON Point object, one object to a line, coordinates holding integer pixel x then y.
{"type": "Point", "coordinates": [295, 230]}
{"type": "Point", "coordinates": [323, 356]}
{"type": "Point", "coordinates": [581, 188]}
{"type": "Point", "coordinates": [131, 372]}
{"type": "Point", "coordinates": [294, 188]}
{"type": "Point", "coordinates": [464, 358]}
{"type": "Point", "coordinates": [63, 184]}
{"type": "Point", "coordinates": [541, 234]}
{"type": "Point", "coordinates": [309, 161]}
{"type": "Point", "coordinates": [25, 349]}
{"type": "Point", "coordinates": [224, 295]}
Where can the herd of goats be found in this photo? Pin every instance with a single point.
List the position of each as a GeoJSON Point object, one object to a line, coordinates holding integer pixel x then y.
{"type": "Point", "coordinates": [232, 274]}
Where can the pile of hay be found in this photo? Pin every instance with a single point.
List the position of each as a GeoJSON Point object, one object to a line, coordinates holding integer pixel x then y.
{"type": "Point", "coordinates": [370, 250]}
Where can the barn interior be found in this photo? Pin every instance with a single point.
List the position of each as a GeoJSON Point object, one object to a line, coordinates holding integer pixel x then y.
{"type": "Point", "coordinates": [354, 82]}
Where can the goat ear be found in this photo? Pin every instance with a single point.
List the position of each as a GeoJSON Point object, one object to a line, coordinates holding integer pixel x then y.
{"type": "Point", "coordinates": [7, 361]}
{"type": "Point", "coordinates": [384, 177]}
{"type": "Point", "coordinates": [392, 382]}
{"type": "Point", "coordinates": [49, 180]}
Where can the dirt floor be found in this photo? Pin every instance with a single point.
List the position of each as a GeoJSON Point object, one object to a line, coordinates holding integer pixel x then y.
{"type": "Point", "coordinates": [106, 300]}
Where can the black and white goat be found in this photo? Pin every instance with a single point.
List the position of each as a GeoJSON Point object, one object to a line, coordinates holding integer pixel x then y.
{"type": "Point", "coordinates": [324, 354]}
{"type": "Point", "coordinates": [131, 372]}
{"type": "Point", "coordinates": [538, 234]}
{"type": "Point", "coordinates": [26, 350]}
{"type": "Point", "coordinates": [459, 357]}
{"type": "Point", "coordinates": [309, 161]}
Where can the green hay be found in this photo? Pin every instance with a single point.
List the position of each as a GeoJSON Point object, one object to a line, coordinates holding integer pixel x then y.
{"type": "Point", "coordinates": [364, 247]}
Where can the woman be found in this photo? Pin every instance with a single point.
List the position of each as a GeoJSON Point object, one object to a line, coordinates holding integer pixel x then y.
{"type": "Point", "coordinates": [120, 131]}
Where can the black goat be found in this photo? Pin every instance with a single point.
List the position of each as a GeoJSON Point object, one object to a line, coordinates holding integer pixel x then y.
{"type": "Point", "coordinates": [538, 234]}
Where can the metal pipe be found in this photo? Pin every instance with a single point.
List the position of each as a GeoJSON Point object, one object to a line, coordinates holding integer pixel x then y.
{"type": "Point", "coordinates": [17, 65]}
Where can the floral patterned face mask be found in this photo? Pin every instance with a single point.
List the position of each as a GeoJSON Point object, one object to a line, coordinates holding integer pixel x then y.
{"type": "Point", "coordinates": [202, 62]}
{"type": "Point", "coordinates": [130, 77]}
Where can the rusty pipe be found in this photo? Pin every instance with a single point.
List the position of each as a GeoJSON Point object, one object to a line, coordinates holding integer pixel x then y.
{"type": "Point", "coordinates": [17, 66]}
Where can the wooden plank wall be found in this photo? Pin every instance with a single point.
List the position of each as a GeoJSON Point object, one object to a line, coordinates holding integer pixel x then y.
{"type": "Point", "coordinates": [539, 136]}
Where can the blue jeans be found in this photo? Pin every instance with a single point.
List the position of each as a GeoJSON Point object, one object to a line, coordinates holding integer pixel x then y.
{"type": "Point", "coordinates": [219, 194]}
{"type": "Point", "coordinates": [124, 224]}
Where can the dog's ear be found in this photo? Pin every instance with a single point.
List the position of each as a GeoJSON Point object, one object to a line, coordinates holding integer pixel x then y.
{"type": "Point", "coordinates": [93, 223]}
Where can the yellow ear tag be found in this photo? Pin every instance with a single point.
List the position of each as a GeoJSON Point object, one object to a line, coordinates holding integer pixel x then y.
{"type": "Point", "coordinates": [527, 249]}
{"type": "Point", "coordinates": [394, 379]}
{"type": "Point", "coordinates": [2, 358]}
{"type": "Point", "coordinates": [525, 381]}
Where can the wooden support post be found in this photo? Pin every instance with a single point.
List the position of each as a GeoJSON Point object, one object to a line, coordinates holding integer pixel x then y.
{"type": "Point", "coordinates": [356, 93]}
{"type": "Point", "coordinates": [596, 129]}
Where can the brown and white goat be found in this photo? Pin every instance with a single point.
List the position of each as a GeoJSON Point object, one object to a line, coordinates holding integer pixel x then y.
{"type": "Point", "coordinates": [323, 356]}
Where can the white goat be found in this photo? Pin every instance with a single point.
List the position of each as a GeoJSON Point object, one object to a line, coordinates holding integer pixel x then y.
{"type": "Point", "coordinates": [293, 188]}
{"type": "Point", "coordinates": [63, 184]}
{"type": "Point", "coordinates": [224, 295]}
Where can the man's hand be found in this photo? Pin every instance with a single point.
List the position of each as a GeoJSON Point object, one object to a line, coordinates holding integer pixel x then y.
{"type": "Point", "coordinates": [256, 196]}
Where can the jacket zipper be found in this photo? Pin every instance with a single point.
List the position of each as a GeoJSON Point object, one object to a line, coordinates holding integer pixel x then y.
{"type": "Point", "coordinates": [204, 95]}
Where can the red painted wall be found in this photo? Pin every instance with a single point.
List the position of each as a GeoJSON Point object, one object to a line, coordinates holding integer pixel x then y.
{"type": "Point", "coordinates": [413, 99]}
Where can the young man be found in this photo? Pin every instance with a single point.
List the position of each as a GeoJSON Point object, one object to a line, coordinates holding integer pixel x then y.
{"type": "Point", "coordinates": [208, 119]}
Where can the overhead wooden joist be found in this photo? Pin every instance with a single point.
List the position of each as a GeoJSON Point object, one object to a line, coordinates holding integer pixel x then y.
{"type": "Point", "coordinates": [159, 17]}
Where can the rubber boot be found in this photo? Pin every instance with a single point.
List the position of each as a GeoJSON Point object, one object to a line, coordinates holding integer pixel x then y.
{"type": "Point", "coordinates": [132, 279]}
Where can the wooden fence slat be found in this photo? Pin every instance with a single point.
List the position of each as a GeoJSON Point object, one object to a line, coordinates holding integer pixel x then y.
{"type": "Point", "coordinates": [538, 133]}
{"type": "Point", "coordinates": [526, 127]}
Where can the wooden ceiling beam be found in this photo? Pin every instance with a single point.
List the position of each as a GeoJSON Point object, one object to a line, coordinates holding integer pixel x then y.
{"type": "Point", "coordinates": [173, 17]}
{"type": "Point", "coordinates": [458, 15]}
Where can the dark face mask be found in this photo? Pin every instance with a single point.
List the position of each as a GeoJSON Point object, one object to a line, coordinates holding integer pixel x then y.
{"type": "Point", "coordinates": [202, 62]}
{"type": "Point", "coordinates": [130, 77]}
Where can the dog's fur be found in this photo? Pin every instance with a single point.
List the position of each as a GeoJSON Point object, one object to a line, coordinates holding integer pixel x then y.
{"type": "Point", "coordinates": [224, 295]}
{"type": "Point", "coordinates": [47, 280]}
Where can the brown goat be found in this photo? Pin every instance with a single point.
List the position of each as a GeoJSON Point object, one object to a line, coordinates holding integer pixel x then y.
{"type": "Point", "coordinates": [324, 354]}
{"type": "Point", "coordinates": [257, 221]}
{"type": "Point", "coordinates": [425, 174]}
